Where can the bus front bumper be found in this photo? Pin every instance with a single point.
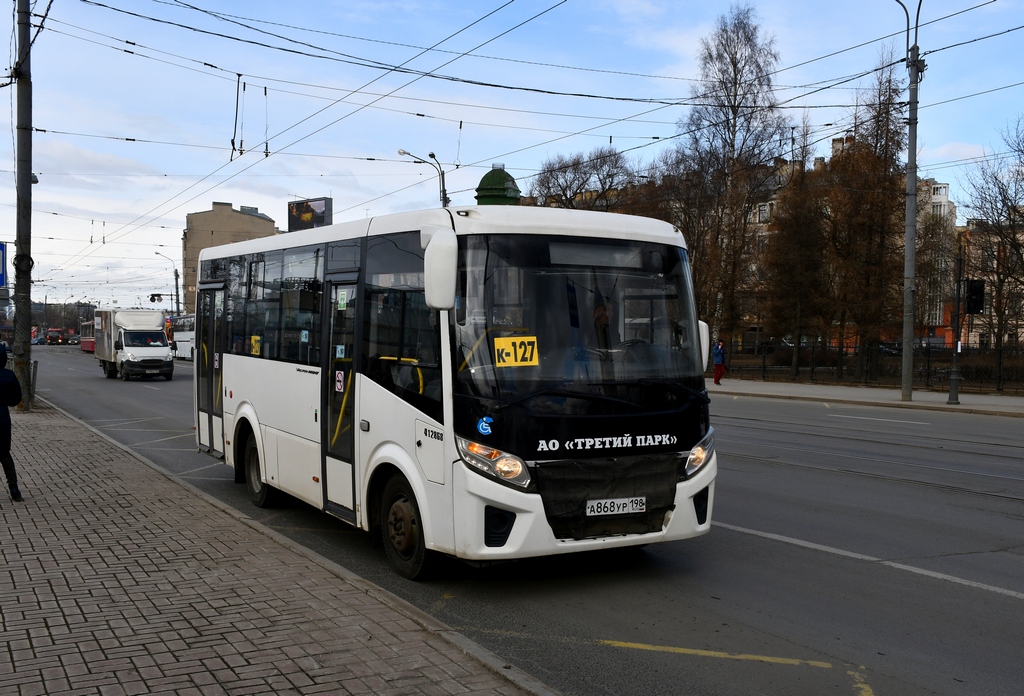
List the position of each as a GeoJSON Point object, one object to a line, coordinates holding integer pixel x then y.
{"type": "Point", "coordinates": [498, 522]}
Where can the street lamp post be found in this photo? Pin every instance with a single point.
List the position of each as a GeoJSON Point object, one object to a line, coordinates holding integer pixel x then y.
{"type": "Point", "coordinates": [440, 172]}
{"type": "Point", "coordinates": [64, 313]}
{"type": "Point", "coordinates": [915, 66]}
{"type": "Point", "coordinates": [177, 300]}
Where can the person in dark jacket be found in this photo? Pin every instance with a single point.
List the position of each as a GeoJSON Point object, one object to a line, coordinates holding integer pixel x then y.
{"type": "Point", "coordinates": [719, 361]}
{"type": "Point", "coordinates": [10, 395]}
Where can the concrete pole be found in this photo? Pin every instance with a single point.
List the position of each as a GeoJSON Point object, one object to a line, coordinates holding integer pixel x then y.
{"type": "Point", "coordinates": [910, 234]}
{"type": "Point", "coordinates": [177, 298]}
{"type": "Point", "coordinates": [23, 182]}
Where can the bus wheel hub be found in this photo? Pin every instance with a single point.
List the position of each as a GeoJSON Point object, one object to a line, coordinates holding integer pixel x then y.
{"type": "Point", "coordinates": [401, 526]}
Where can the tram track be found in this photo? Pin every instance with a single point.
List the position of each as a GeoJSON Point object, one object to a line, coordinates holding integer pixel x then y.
{"type": "Point", "coordinates": [1000, 495]}
{"type": "Point", "coordinates": [1013, 453]}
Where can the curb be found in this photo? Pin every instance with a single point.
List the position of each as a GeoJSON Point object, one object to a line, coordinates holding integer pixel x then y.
{"type": "Point", "coordinates": [886, 404]}
{"type": "Point", "coordinates": [492, 662]}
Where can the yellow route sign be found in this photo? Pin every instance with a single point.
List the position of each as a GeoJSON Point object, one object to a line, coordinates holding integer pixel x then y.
{"type": "Point", "coordinates": [515, 351]}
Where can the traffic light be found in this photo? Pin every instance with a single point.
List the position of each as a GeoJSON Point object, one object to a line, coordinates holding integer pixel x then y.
{"type": "Point", "coordinates": [975, 300]}
{"type": "Point", "coordinates": [156, 298]}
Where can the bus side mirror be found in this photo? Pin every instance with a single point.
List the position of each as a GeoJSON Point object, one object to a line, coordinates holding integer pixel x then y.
{"type": "Point", "coordinates": [440, 263]}
{"type": "Point", "coordinates": [705, 342]}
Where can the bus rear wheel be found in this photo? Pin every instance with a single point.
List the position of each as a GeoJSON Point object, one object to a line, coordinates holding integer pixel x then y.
{"type": "Point", "coordinates": [402, 530]}
{"type": "Point", "coordinates": [260, 493]}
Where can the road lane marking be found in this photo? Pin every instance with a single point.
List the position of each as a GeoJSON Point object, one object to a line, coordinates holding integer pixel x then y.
{"type": "Point", "coordinates": [441, 604]}
{"type": "Point", "coordinates": [163, 439]}
{"type": "Point", "coordinates": [715, 653]}
{"type": "Point", "coordinates": [884, 420]}
{"type": "Point", "coordinates": [862, 688]}
{"type": "Point", "coordinates": [871, 559]}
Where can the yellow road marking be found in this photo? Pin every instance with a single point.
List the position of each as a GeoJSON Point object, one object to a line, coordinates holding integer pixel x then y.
{"type": "Point", "coordinates": [859, 685]}
{"type": "Point", "coordinates": [715, 653]}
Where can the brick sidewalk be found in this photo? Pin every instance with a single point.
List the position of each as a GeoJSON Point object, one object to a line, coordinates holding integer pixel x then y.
{"type": "Point", "coordinates": [118, 580]}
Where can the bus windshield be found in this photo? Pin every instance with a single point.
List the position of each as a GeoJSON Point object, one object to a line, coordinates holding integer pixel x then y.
{"type": "Point", "coordinates": [575, 326]}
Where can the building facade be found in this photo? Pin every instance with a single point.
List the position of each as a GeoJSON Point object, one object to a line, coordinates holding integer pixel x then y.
{"type": "Point", "coordinates": [220, 225]}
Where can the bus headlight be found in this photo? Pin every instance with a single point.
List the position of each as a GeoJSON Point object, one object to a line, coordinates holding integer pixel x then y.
{"type": "Point", "coordinates": [701, 453]}
{"type": "Point", "coordinates": [503, 466]}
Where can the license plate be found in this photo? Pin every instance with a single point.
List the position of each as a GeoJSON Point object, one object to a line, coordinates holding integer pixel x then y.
{"type": "Point", "coordinates": [616, 506]}
{"type": "Point", "coordinates": [152, 372]}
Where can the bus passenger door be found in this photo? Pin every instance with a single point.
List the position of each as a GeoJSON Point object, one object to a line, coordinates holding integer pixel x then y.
{"type": "Point", "coordinates": [339, 402]}
{"type": "Point", "coordinates": [209, 359]}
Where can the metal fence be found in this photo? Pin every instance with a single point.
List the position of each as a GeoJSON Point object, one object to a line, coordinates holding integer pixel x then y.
{"type": "Point", "coordinates": [982, 370]}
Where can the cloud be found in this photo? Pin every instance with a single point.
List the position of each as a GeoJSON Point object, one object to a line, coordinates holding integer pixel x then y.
{"type": "Point", "coordinates": [58, 156]}
{"type": "Point", "coordinates": [950, 152]}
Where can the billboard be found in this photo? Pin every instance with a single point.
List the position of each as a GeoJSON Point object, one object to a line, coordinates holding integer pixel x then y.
{"type": "Point", "coordinates": [313, 212]}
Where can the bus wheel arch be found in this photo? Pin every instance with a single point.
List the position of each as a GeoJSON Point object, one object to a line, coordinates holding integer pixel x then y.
{"type": "Point", "coordinates": [401, 528]}
{"type": "Point", "coordinates": [261, 493]}
{"type": "Point", "coordinates": [243, 432]}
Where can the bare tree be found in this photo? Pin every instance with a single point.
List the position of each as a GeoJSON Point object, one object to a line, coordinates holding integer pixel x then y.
{"type": "Point", "coordinates": [732, 136]}
{"type": "Point", "coordinates": [866, 217]}
{"type": "Point", "coordinates": [590, 181]}
{"type": "Point", "coordinates": [996, 190]}
{"type": "Point", "coordinates": [796, 289]}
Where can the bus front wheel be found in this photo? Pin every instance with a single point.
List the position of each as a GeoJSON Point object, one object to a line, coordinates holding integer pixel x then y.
{"type": "Point", "coordinates": [260, 493]}
{"type": "Point", "coordinates": [402, 530]}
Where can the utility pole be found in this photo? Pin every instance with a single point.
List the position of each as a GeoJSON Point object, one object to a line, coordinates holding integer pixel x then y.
{"type": "Point", "coordinates": [915, 66]}
{"type": "Point", "coordinates": [23, 182]}
{"type": "Point", "coordinates": [177, 298]}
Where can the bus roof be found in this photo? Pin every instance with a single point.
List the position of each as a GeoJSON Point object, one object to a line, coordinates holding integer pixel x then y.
{"type": "Point", "coordinates": [496, 219]}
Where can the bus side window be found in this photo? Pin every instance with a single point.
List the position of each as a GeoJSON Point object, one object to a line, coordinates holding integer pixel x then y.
{"type": "Point", "coordinates": [401, 336]}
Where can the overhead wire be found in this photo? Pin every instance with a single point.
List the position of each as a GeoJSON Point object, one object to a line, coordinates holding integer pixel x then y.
{"type": "Point", "coordinates": [415, 79]}
{"type": "Point", "coordinates": [626, 118]}
{"type": "Point", "coordinates": [177, 3]}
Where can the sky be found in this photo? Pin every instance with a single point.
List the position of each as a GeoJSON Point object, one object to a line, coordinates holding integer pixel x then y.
{"type": "Point", "coordinates": [136, 105]}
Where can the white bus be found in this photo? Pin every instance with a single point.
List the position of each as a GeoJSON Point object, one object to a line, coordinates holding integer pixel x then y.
{"type": "Point", "coordinates": [183, 336]}
{"type": "Point", "coordinates": [491, 382]}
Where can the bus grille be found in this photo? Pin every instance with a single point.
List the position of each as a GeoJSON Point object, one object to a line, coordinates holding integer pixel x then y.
{"type": "Point", "coordinates": [565, 487]}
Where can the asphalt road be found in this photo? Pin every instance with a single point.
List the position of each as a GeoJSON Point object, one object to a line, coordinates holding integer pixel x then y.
{"type": "Point", "coordinates": [856, 551]}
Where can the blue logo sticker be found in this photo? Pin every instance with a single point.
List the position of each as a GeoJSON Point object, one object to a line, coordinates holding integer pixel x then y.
{"type": "Point", "coordinates": [483, 426]}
